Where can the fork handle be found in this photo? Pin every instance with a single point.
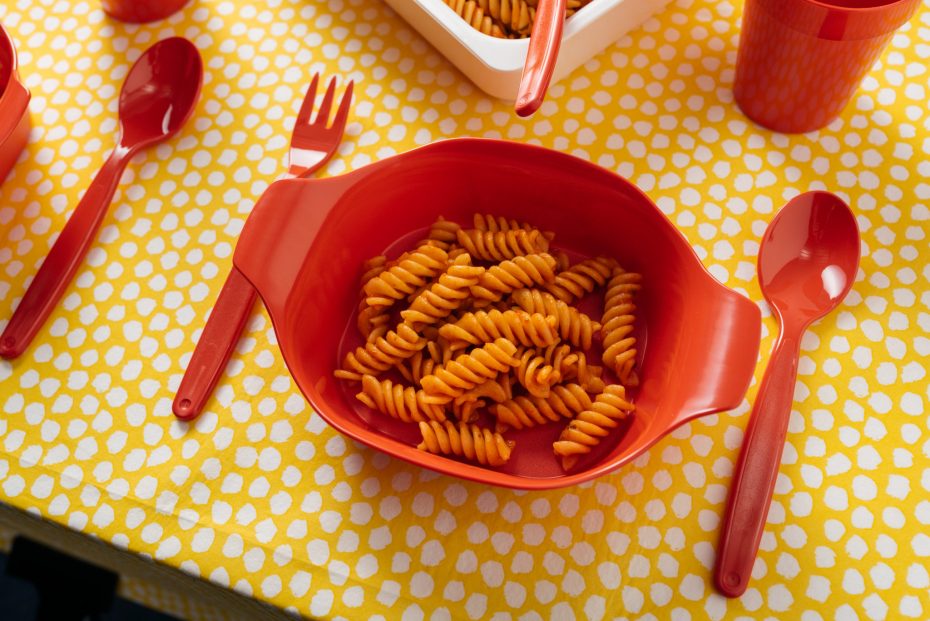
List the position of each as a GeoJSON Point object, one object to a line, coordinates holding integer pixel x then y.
{"type": "Point", "coordinates": [217, 341]}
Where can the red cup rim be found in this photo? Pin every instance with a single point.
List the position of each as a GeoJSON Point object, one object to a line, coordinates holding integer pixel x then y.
{"type": "Point", "coordinates": [821, 19]}
{"type": "Point", "coordinates": [856, 9]}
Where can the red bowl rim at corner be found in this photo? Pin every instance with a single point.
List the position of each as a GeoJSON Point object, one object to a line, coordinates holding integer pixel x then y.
{"type": "Point", "coordinates": [14, 97]}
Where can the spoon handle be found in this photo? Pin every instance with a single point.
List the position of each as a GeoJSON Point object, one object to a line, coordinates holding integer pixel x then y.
{"type": "Point", "coordinates": [229, 316]}
{"type": "Point", "coordinates": [757, 468]}
{"type": "Point", "coordinates": [65, 257]}
{"type": "Point", "coordinates": [543, 51]}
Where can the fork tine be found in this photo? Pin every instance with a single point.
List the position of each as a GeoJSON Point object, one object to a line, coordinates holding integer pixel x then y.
{"type": "Point", "coordinates": [303, 117]}
{"type": "Point", "coordinates": [342, 113]}
{"type": "Point", "coordinates": [322, 116]}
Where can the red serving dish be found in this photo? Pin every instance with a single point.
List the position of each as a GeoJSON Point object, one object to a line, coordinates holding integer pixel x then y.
{"type": "Point", "coordinates": [14, 107]}
{"type": "Point", "coordinates": [305, 241]}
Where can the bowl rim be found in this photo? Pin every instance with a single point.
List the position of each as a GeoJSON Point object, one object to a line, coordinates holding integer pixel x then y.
{"type": "Point", "coordinates": [465, 470]}
{"type": "Point", "coordinates": [14, 97]}
{"type": "Point", "coordinates": [7, 54]}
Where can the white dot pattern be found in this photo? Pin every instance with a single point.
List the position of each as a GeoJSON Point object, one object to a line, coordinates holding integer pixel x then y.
{"type": "Point", "coordinates": [261, 496]}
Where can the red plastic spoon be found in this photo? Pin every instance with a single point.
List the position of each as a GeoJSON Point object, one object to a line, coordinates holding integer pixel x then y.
{"type": "Point", "coordinates": [158, 96]}
{"type": "Point", "coordinates": [541, 55]}
{"type": "Point", "coordinates": [807, 263]}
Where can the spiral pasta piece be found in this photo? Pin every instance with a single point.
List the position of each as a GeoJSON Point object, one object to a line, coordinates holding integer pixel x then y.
{"type": "Point", "coordinates": [372, 268]}
{"type": "Point", "coordinates": [535, 374]}
{"type": "Point", "coordinates": [421, 363]}
{"type": "Point", "coordinates": [570, 5]}
{"type": "Point", "coordinates": [444, 295]}
{"type": "Point", "coordinates": [497, 390]}
{"type": "Point", "coordinates": [515, 15]}
{"type": "Point", "coordinates": [581, 279]}
{"type": "Point", "coordinates": [381, 354]}
{"type": "Point", "coordinates": [463, 440]}
{"type": "Point", "coordinates": [404, 403]}
{"type": "Point", "coordinates": [410, 273]}
{"type": "Point", "coordinates": [442, 234]}
{"type": "Point", "coordinates": [513, 18]}
{"type": "Point", "coordinates": [591, 425]}
{"type": "Point", "coordinates": [574, 326]}
{"type": "Point", "coordinates": [575, 367]}
{"type": "Point", "coordinates": [519, 327]}
{"type": "Point", "coordinates": [501, 245]}
{"type": "Point", "coordinates": [468, 370]}
{"type": "Point", "coordinates": [467, 411]}
{"type": "Point", "coordinates": [619, 315]}
{"type": "Point", "coordinates": [477, 18]}
{"type": "Point", "coordinates": [372, 321]}
{"type": "Point", "coordinates": [487, 222]}
{"type": "Point", "coordinates": [465, 406]}
{"type": "Point", "coordinates": [564, 401]}
{"type": "Point", "coordinates": [516, 273]}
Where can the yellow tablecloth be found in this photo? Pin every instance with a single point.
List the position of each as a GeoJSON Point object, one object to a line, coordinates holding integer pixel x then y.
{"type": "Point", "coordinates": [259, 494]}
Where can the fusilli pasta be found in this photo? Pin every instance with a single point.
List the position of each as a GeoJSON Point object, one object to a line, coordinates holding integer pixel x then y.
{"type": "Point", "coordinates": [409, 274]}
{"type": "Point", "coordinates": [468, 370]}
{"type": "Point", "coordinates": [515, 15]}
{"type": "Point", "coordinates": [516, 273]}
{"type": "Point", "coordinates": [591, 425]}
{"type": "Point", "coordinates": [470, 441]}
{"type": "Point", "coordinates": [519, 327]}
{"type": "Point", "coordinates": [444, 295]}
{"type": "Point", "coordinates": [580, 279]}
{"type": "Point", "coordinates": [478, 325]}
{"type": "Point", "coordinates": [471, 12]}
{"type": "Point", "coordinates": [619, 315]}
{"type": "Point", "coordinates": [381, 354]}
{"type": "Point", "coordinates": [564, 401]}
{"type": "Point", "coordinates": [573, 325]}
{"type": "Point", "coordinates": [501, 245]}
{"type": "Point", "coordinates": [442, 234]}
{"type": "Point", "coordinates": [398, 401]}
{"type": "Point", "coordinates": [487, 222]}
{"type": "Point", "coordinates": [535, 374]}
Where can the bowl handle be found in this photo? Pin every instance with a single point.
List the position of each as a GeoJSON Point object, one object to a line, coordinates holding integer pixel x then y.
{"type": "Point", "coordinates": [278, 235]}
{"type": "Point", "coordinates": [725, 354]}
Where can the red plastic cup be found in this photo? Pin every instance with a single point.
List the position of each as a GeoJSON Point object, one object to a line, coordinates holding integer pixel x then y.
{"type": "Point", "coordinates": [140, 11]}
{"type": "Point", "coordinates": [800, 61]}
{"type": "Point", "coordinates": [14, 107]}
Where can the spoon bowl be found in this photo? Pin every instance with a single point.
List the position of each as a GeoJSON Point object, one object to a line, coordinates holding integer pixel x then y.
{"type": "Point", "coordinates": [809, 257]}
{"type": "Point", "coordinates": [160, 92]}
{"type": "Point", "coordinates": [808, 261]}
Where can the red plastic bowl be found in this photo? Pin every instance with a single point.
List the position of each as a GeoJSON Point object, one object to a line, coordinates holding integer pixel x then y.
{"type": "Point", "coordinates": [305, 241]}
{"type": "Point", "coordinates": [14, 107]}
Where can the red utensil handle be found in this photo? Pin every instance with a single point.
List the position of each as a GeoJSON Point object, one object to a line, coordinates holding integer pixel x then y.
{"type": "Point", "coordinates": [217, 341]}
{"type": "Point", "coordinates": [64, 258]}
{"type": "Point", "coordinates": [757, 468]}
{"type": "Point", "coordinates": [541, 55]}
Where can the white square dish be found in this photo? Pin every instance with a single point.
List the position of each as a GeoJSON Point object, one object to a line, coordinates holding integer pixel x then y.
{"type": "Point", "coordinates": [495, 65]}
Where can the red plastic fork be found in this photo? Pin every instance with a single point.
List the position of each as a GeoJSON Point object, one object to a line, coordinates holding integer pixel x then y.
{"type": "Point", "coordinates": [313, 143]}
